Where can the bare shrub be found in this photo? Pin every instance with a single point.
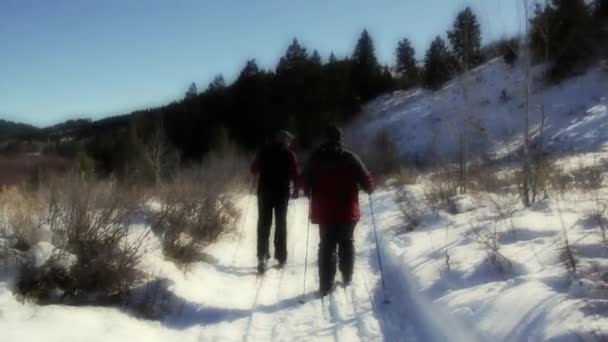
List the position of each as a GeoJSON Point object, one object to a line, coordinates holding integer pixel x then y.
{"type": "Point", "coordinates": [567, 252]}
{"type": "Point", "coordinates": [196, 208]}
{"type": "Point", "coordinates": [487, 236]}
{"type": "Point", "coordinates": [503, 208]}
{"type": "Point", "coordinates": [588, 177]}
{"type": "Point", "coordinates": [598, 217]}
{"type": "Point", "coordinates": [162, 157]}
{"type": "Point", "coordinates": [485, 178]}
{"type": "Point", "coordinates": [442, 187]}
{"type": "Point", "coordinates": [409, 206]}
{"type": "Point", "coordinates": [568, 257]}
{"type": "Point", "coordinates": [447, 256]}
{"type": "Point", "coordinates": [543, 173]}
{"type": "Point", "coordinates": [93, 258]}
{"type": "Point", "coordinates": [405, 200]}
{"type": "Point", "coordinates": [557, 180]}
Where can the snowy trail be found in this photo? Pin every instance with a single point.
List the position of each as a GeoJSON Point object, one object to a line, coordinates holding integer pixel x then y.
{"type": "Point", "coordinates": [356, 313]}
{"type": "Point", "coordinates": [224, 300]}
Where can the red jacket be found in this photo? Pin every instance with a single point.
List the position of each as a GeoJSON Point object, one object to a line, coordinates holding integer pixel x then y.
{"type": "Point", "coordinates": [332, 178]}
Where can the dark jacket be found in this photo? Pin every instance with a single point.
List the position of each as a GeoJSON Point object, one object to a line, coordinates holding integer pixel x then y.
{"type": "Point", "coordinates": [277, 166]}
{"type": "Point", "coordinates": [332, 178]}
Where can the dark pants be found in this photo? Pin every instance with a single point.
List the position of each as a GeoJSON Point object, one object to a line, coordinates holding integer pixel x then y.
{"type": "Point", "coordinates": [336, 237]}
{"type": "Point", "coordinates": [267, 203]}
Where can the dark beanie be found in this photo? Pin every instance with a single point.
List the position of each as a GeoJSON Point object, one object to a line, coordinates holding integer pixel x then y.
{"type": "Point", "coordinates": [333, 133]}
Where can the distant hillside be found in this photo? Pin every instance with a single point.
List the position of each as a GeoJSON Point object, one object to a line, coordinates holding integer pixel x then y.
{"type": "Point", "coordinates": [9, 129]}
{"type": "Point", "coordinates": [76, 128]}
{"type": "Point", "coordinates": [428, 125]}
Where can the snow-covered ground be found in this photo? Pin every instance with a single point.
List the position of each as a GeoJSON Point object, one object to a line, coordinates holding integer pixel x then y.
{"type": "Point", "coordinates": [529, 295]}
{"type": "Point", "coordinates": [224, 300]}
{"type": "Point", "coordinates": [428, 125]}
{"type": "Point", "coordinates": [533, 298]}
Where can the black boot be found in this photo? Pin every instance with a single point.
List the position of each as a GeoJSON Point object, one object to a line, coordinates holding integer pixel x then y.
{"type": "Point", "coordinates": [262, 266]}
{"type": "Point", "coordinates": [327, 259]}
{"type": "Point", "coordinates": [346, 281]}
{"type": "Point", "coordinates": [326, 290]}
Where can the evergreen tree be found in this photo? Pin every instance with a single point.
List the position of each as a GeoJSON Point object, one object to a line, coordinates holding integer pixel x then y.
{"type": "Point", "coordinates": [510, 51]}
{"type": "Point", "coordinates": [220, 142]}
{"type": "Point", "coordinates": [600, 13]}
{"type": "Point", "coordinates": [316, 58]}
{"type": "Point", "coordinates": [192, 91]}
{"type": "Point", "coordinates": [366, 74]}
{"type": "Point", "coordinates": [294, 90]}
{"type": "Point", "coordinates": [406, 63]}
{"type": "Point", "coordinates": [465, 38]}
{"type": "Point", "coordinates": [218, 84]}
{"type": "Point", "coordinates": [295, 57]}
{"type": "Point", "coordinates": [250, 70]}
{"type": "Point", "coordinates": [387, 81]}
{"type": "Point", "coordinates": [129, 159]}
{"type": "Point", "coordinates": [561, 34]}
{"type": "Point", "coordinates": [437, 64]}
{"type": "Point", "coordinates": [542, 26]}
{"type": "Point", "coordinates": [332, 58]}
{"type": "Point", "coordinates": [364, 54]}
{"type": "Point", "coordinates": [601, 9]}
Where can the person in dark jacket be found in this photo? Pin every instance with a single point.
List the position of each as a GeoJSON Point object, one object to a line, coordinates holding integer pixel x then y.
{"type": "Point", "coordinates": [277, 167]}
{"type": "Point", "coordinates": [332, 178]}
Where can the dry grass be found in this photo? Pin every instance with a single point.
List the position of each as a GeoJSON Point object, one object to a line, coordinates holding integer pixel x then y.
{"type": "Point", "coordinates": [198, 206]}
{"type": "Point", "coordinates": [488, 178]}
{"type": "Point", "coordinates": [589, 177]}
{"type": "Point", "coordinates": [23, 218]}
{"type": "Point", "coordinates": [441, 188]}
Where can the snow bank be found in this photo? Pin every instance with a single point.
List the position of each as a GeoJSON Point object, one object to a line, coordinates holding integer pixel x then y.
{"type": "Point", "coordinates": [42, 252]}
{"type": "Point", "coordinates": [528, 295]}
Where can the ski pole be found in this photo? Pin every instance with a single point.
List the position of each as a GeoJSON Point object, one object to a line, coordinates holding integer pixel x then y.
{"type": "Point", "coordinates": [371, 207]}
{"type": "Point", "coordinates": [305, 262]}
{"type": "Point", "coordinates": [244, 220]}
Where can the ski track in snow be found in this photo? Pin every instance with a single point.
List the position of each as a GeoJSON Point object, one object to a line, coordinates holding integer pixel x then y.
{"type": "Point", "coordinates": [225, 300]}
{"type": "Point", "coordinates": [354, 313]}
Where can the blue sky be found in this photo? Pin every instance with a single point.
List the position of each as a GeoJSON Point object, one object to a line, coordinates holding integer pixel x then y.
{"type": "Point", "coordinates": [63, 59]}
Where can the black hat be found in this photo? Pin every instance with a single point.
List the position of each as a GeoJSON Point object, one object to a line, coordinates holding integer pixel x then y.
{"type": "Point", "coordinates": [333, 133]}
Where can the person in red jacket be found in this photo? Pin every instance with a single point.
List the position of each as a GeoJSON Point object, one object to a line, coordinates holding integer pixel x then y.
{"type": "Point", "coordinates": [276, 166]}
{"type": "Point", "coordinates": [332, 178]}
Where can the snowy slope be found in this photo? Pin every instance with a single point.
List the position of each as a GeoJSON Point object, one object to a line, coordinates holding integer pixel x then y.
{"type": "Point", "coordinates": [224, 300]}
{"type": "Point", "coordinates": [429, 125]}
{"type": "Point", "coordinates": [529, 298]}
